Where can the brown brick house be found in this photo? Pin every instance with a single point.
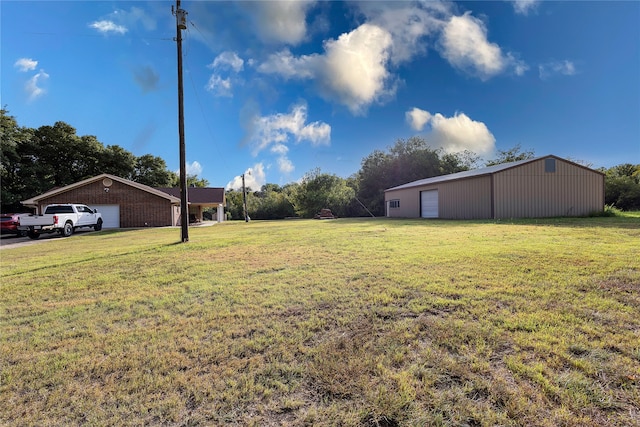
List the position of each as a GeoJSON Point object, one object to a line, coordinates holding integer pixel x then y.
{"type": "Point", "coordinates": [125, 204]}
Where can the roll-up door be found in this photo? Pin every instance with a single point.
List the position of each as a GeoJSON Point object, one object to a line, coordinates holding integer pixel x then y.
{"type": "Point", "coordinates": [429, 204]}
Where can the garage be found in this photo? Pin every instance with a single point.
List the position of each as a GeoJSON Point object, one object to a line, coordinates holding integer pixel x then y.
{"type": "Point", "coordinates": [110, 215]}
{"type": "Point", "coordinates": [125, 204]}
{"type": "Point", "coordinates": [429, 203]}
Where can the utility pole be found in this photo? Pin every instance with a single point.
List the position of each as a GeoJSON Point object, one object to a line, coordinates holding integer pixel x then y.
{"type": "Point", "coordinates": [181, 24]}
{"type": "Point", "coordinates": [244, 201]}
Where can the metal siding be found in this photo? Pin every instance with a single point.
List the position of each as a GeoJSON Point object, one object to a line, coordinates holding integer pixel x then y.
{"type": "Point", "coordinates": [462, 199]}
{"type": "Point", "coordinates": [528, 191]}
{"type": "Point", "coordinates": [466, 198]}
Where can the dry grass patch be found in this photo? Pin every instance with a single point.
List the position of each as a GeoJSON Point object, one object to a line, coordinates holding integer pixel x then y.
{"type": "Point", "coordinates": [324, 323]}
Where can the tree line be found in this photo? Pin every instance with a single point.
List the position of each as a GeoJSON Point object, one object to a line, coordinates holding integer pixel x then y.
{"type": "Point", "coordinates": [34, 161]}
{"type": "Point", "coordinates": [37, 160]}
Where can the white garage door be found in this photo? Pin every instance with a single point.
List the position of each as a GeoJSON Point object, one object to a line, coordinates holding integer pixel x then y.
{"type": "Point", "coordinates": [429, 203]}
{"type": "Point", "coordinates": [110, 215]}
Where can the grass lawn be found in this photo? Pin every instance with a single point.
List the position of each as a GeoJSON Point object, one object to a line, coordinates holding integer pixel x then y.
{"type": "Point", "coordinates": [364, 322]}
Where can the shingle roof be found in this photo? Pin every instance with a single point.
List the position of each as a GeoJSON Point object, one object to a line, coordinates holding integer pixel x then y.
{"type": "Point", "coordinates": [198, 195]}
{"type": "Point", "coordinates": [55, 191]}
{"type": "Point", "coordinates": [467, 174]}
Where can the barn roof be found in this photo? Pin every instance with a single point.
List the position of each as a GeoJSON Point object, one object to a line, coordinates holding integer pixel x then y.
{"type": "Point", "coordinates": [490, 170]}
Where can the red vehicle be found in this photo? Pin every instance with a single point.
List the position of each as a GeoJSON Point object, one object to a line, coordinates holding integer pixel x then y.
{"type": "Point", "coordinates": [9, 225]}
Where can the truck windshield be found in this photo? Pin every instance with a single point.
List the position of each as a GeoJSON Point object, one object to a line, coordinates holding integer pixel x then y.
{"type": "Point", "coordinates": [58, 209]}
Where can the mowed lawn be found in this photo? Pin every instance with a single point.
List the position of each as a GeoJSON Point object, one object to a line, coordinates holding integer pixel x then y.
{"type": "Point", "coordinates": [350, 322]}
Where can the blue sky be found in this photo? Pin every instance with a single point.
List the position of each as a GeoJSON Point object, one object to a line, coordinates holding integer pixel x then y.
{"type": "Point", "coordinates": [280, 88]}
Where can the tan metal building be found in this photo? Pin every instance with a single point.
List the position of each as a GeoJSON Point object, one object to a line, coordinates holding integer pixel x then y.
{"type": "Point", "coordinates": [546, 186]}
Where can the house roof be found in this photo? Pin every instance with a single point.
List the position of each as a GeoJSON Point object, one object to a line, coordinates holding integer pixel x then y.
{"type": "Point", "coordinates": [478, 172]}
{"type": "Point", "coordinates": [34, 200]}
{"type": "Point", "coordinates": [198, 195]}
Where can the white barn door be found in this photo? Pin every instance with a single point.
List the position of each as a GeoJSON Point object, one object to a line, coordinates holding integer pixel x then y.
{"type": "Point", "coordinates": [429, 204]}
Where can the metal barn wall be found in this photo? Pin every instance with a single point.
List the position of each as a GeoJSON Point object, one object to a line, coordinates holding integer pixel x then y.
{"type": "Point", "coordinates": [462, 199]}
{"type": "Point", "coordinates": [409, 203]}
{"type": "Point", "coordinates": [528, 191]}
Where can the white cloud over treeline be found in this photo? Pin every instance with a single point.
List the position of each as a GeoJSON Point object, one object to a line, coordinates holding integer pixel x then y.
{"type": "Point", "coordinates": [275, 132]}
{"type": "Point", "coordinates": [254, 178]}
{"type": "Point", "coordinates": [453, 134]}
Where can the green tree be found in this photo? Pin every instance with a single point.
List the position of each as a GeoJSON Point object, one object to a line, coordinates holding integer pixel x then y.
{"type": "Point", "coordinates": [622, 186]}
{"type": "Point", "coordinates": [152, 171]}
{"type": "Point", "coordinates": [37, 160]}
{"type": "Point", "coordinates": [192, 181]}
{"type": "Point", "coordinates": [12, 139]}
{"type": "Point", "coordinates": [234, 204]}
{"type": "Point", "coordinates": [118, 161]}
{"type": "Point", "coordinates": [271, 202]}
{"type": "Point", "coordinates": [406, 161]}
{"type": "Point", "coordinates": [320, 190]}
{"type": "Point", "coordinates": [514, 154]}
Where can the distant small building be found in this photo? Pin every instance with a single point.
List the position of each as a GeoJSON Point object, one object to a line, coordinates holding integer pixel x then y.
{"type": "Point", "coordinates": [546, 186]}
{"type": "Point", "coordinates": [124, 203]}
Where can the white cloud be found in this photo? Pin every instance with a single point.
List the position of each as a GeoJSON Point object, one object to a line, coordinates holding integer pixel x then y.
{"type": "Point", "coordinates": [26, 64]}
{"type": "Point", "coordinates": [195, 168]}
{"type": "Point", "coordinates": [549, 69]}
{"type": "Point", "coordinates": [408, 23]}
{"type": "Point", "coordinates": [280, 149]}
{"type": "Point", "coordinates": [286, 65]}
{"type": "Point", "coordinates": [281, 21]}
{"type": "Point", "coordinates": [106, 27]}
{"type": "Point", "coordinates": [523, 7]}
{"type": "Point", "coordinates": [285, 165]}
{"type": "Point", "coordinates": [278, 129]}
{"type": "Point", "coordinates": [355, 70]}
{"type": "Point", "coordinates": [133, 16]}
{"type": "Point", "coordinates": [464, 44]}
{"type": "Point", "coordinates": [352, 70]}
{"type": "Point", "coordinates": [219, 86]}
{"type": "Point", "coordinates": [227, 60]}
{"type": "Point", "coordinates": [120, 21]}
{"type": "Point", "coordinates": [454, 134]}
{"type": "Point", "coordinates": [33, 85]}
{"type": "Point", "coordinates": [254, 178]}
{"type": "Point", "coordinates": [417, 118]}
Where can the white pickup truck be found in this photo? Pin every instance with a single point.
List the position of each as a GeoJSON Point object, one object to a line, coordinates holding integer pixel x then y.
{"type": "Point", "coordinates": [64, 219]}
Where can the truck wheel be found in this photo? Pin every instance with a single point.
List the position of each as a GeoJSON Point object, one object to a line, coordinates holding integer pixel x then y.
{"type": "Point", "coordinates": [67, 230]}
{"type": "Point", "coordinates": [98, 226]}
{"type": "Point", "coordinates": [33, 234]}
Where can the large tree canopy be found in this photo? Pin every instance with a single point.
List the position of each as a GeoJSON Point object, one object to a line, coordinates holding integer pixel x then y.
{"type": "Point", "coordinates": [622, 186]}
{"type": "Point", "coordinates": [514, 154]}
{"type": "Point", "coordinates": [321, 191]}
{"type": "Point", "coordinates": [406, 161]}
{"type": "Point", "coordinates": [37, 160]}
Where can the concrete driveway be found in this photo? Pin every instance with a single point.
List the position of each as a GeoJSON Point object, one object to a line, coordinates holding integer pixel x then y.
{"type": "Point", "coordinates": [10, 241]}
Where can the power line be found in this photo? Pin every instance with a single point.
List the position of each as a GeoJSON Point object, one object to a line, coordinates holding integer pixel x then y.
{"type": "Point", "coordinates": [204, 117]}
{"type": "Point", "coordinates": [93, 35]}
